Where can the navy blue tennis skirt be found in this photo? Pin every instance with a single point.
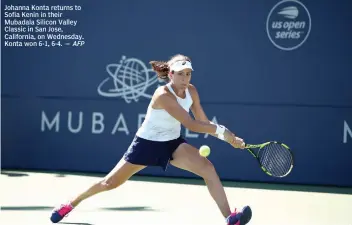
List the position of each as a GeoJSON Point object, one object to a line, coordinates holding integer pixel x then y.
{"type": "Point", "coordinates": [152, 153]}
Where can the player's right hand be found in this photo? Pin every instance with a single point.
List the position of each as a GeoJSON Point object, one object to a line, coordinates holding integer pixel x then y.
{"type": "Point", "coordinates": [236, 142]}
{"type": "Point", "coordinates": [239, 143]}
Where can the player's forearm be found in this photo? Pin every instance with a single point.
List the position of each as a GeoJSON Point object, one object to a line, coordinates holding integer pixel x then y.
{"type": "Point", "coordinates": [207, 121]}
{"type": "Point", "coordinates": [205, 127]}
{"type": "Point", "coordinates": [201, 127]}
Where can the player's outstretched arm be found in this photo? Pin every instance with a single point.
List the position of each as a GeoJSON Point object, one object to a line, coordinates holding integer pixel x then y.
{"type": "Point", "coordinates": [167, 102]}
{"type": "Point", "coordinates": [200, 115]}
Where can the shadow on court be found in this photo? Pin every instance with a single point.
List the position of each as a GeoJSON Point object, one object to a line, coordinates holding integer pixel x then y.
{"type": "Point", "coordinates": [14, 174]}
{"type": "Point", "coordinates": [26, 208]}
{"type": "Point", "coordinates": [48, 208]}
{"type": "Point", "coordinates": [60, 175]}
{"type": "Point", "coordinates": [135, 208]}
{"type": "Point", "coordinates": [198, 181]}
{"type": "Point", "coordinates": [76, 223]}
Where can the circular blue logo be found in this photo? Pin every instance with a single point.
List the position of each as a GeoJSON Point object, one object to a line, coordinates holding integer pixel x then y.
{"type": "Point", "coordinates": [288, 24]}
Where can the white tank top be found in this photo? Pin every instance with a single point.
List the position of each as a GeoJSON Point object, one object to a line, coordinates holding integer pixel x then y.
{"type": "Point", "coordinates": [159, 125]}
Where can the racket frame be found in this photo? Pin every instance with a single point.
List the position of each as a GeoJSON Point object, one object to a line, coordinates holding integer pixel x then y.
{"type": "Point", "coordinates": [250, 148]}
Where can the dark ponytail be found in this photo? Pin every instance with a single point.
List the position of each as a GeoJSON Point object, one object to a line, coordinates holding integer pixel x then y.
{"type": "Point", "coordinates": [162, 69]}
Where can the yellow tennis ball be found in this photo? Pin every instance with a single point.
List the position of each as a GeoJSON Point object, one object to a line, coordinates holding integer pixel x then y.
{"type": "Point", "coordinates": [204, 150]}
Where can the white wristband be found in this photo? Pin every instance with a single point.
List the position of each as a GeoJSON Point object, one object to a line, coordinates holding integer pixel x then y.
{"type": "Point", "coordinates": [220, 129]}
{"type": "Point", "coordinates": [221, 136]}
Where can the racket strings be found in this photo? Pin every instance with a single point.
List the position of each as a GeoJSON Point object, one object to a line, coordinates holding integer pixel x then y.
{"type": "Point", "coordinates": [276, 159]}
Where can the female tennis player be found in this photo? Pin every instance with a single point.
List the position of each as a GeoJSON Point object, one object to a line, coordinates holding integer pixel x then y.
{"type": "Point", "coordinates": [158, 142]}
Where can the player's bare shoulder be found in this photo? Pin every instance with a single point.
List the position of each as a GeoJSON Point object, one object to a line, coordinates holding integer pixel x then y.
{"type": "Point", "coordinates": [193, 91]}
{"type": "Point", "coordinates": [192, 88]}
{"type": "Point", "coordinates": [161, 95]}
{"type": "Point", "coordinates": [161, 91]}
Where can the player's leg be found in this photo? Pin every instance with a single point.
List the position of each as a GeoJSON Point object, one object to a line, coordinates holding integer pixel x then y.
{"type": "Point", "coordinates": [187, 157]}
{"type": "Point", "coordinates": [121, 173]}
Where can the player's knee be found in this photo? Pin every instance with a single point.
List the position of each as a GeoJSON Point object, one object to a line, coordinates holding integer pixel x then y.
{"type": "Point", "coordinates": [207, 171]}
{"type": "Point", "coordinates": [108, 184]}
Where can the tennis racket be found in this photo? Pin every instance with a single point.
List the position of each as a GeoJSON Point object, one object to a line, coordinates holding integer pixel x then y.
{"type": "Point", "coordinates": [275, 158]}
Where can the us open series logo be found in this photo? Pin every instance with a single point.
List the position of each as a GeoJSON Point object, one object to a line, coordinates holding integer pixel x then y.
{"type": "Point", "coordinates": [288, 24]}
